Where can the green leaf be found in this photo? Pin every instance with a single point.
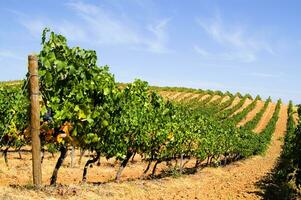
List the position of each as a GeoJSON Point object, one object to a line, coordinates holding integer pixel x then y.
{"type": "Point", "coordinates": [106, 91]}
{"type": "Point", "coordinates": [105, 123]}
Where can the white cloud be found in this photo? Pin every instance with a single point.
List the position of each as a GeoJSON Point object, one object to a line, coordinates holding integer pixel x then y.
{"type": "Point", "coordinates": [96, 25]}
{"type": "Point", "coordinates": [102, 27]}
{"type": "Point", "coordinates": [240, 44]}
{"type": "Point", "coordinates": [245, 57]}
{"type": "Point", "coordinates": [158, 43]}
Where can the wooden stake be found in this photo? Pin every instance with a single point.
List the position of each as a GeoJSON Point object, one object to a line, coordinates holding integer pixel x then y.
{"type": "Point", "coordinates": [35, 119]}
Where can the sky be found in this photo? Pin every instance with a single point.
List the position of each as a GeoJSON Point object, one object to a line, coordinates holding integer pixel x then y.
{"type": "Point", "coordinates": [235, 45]}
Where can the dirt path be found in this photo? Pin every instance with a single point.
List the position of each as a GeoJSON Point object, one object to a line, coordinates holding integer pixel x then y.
{"type": "Point", "coordinates": [235, 101]}
{"type": "Point", "coordinates": [205, 97]}
{"type": "Point", "coordinates": [215, 97]}
{"type": "Point", "coordinates": [162, 93]}
{"type": "Point", "coordinates": [194, 96]}
{"type": "Point", "coordinates": [166, 94]}
{"type": "Point", "coordinates": [235, 181]}
{"type": "Point", "coordinates": [179, 96]}
{"type": "Point", "coordinates": [246, 103]}
{"type": "Point", "coordinates": [185, 95]}
{"type": "Point", "coordinates": [225, 99]}
{"type": "Point", "coordinates": [266, 117]}
{"type": "Point", "coordinates": [175, 95]}
{"type": "Point", "coordinates": [252, 113]}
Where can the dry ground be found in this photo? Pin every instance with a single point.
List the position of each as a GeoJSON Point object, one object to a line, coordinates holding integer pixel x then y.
{"type": "Point", "coordinates": [235, 101]}
{"type": "Point", "coordinates": [252, 113]}
{"type": "Point", "coordinates": [235, 181]}
{"type": "Point", "coordinates": [215, 97]}
{"type": "Point", "coordinates": [266, 117]}
{"type": "Point", "coordinates": [246, 103]}
{"type": "Point", "coordinates": [225, 98]}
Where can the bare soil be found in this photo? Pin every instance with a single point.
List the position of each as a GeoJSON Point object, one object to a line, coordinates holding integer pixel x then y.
{"type": "Point", "coordinates": [235, 101]}
{"type": "Point", "coordinates": [167, 94]}
{"type": "Point", "coordinates": [266, 117]}
{"type": "Point", "coordinates": [252, 113]}
{"type": "Point", "coordinates": [234, 181]}
{"type": "Point", "coordinates": [225, 99]}
{"type": "Point", "coordinates": [204, 97]}
{"type": "Point", "coordinates": [215, 97]}
{"type": "Point", "coordinates": [184, 96]}
{"type": "Point", "coordinates": [195, 96]}
{"type": "Point", "coordinates": [247, 102]}
{"type": "Point", "coordinates": [176, 95]}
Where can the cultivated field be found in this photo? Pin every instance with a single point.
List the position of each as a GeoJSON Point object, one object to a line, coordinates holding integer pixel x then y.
{"type": "Point", "coordinates": [238, 180]}
{"type": "Point", "coordinates": [100, 139]}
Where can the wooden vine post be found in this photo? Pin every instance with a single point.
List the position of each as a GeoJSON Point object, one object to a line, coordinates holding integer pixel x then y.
{"type": "Point", "coordinates": [35, 119]}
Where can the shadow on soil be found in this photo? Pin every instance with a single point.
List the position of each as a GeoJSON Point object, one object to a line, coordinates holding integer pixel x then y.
{"type": "Point", "coordinates": [163, 174]}
{"type": "Point", "coordinates": [273, 189]}
{"type": "Point", "coordinates": [72, 190]}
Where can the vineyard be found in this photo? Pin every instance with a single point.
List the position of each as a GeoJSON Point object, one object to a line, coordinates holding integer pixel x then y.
{"type": "Point", "coordinates": [106, 140]}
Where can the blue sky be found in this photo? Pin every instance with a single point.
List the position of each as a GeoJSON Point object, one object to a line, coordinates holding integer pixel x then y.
{"type": "Point", "coordinates": [237, 45]}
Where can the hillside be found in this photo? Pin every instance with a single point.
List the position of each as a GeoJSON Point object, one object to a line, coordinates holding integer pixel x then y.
{"type": "Point", "coordinates": [236, 180]}
{"type": "Point", "coordinates": [95, 138]}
